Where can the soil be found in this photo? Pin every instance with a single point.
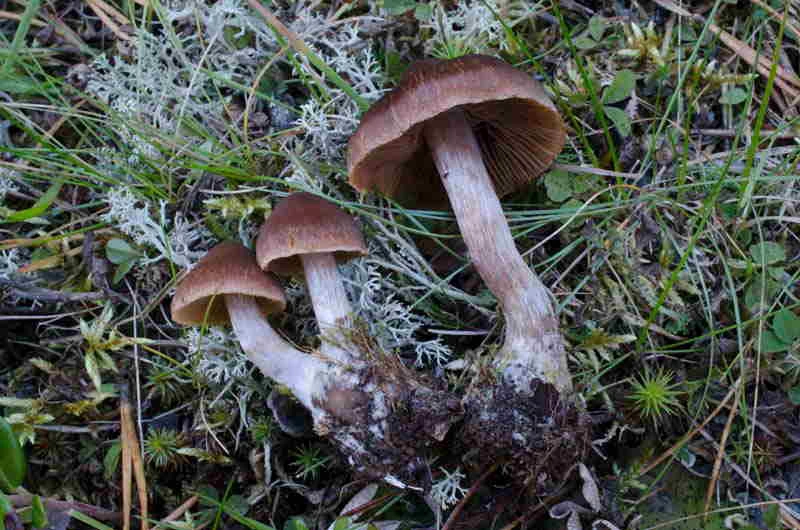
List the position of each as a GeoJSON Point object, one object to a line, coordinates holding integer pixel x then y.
{"type": "Point", "coordinates": [538, 436]}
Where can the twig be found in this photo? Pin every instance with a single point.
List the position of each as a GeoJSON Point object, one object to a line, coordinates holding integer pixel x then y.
{"type": "Point", "coordinates": [15, 16]}
{"type": "Point", "coordinates": [101, 514]}
{"type": "Point", "coordinates": [179, 511]}
{"type": "Point", "coordinates": [111, 10]}
{"type": "Point", "coordinates": [367, 505]}
{"type": "Point", "coordinates": [40, 294]}
{"type": "Point", "coordinates": [24, 313]}
{"type": "Point", "coordinates": [786, 80]}
{"type": "Point", "coordinates": [793, 26]}
{"type": "Point", "coordinates": [720, 453]}
{"type": "Point", "coordinates": [74, 429]}
{"type": "Point", "coordinates": [730, 133]}
{"type": "Point", "coordinates": [544, 504]}
{"type": "Point", "coordinates": [596, 171]}
{"type": "Point", "coordinates": [113, 26]}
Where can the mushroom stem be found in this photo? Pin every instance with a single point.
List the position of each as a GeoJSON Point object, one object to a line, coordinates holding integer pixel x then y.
{"type": "Point", "coordinates": [533, 347]}
{"type": "Point", "coordinates": [275, 357]}
{"type": "Point", "coordinates": [331, 306]}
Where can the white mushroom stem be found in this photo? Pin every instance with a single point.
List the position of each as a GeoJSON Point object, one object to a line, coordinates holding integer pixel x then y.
{"type": "Point", "coordinates": [533, 346]}
{"type": "Point", "coordinates": [331, 306]}
{"type": "Point", "coordinates": [303, 374]}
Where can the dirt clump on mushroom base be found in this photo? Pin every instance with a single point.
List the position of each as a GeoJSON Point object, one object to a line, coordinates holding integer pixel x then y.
{"type": "Point", "coordinates": [386, 418]}
{"type": "Point", "coordinates": [539, 436]}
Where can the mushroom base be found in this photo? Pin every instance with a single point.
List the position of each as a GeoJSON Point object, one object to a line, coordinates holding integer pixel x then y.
{"type": "Point", "coordinates": [386, 419]}
{"type": "Point", "coordinates": [539, 435]}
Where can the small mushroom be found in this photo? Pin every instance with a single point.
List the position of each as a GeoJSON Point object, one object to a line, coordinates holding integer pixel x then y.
{"type": "Point", "coordinates": [306, 235]}
{"type": "Point", "coordinates": [227, 286]}
{"type": "Point", "coordinates": [468, 131]}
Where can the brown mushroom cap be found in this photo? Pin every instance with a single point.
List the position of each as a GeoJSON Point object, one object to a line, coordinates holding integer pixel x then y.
{"type": "Point", "coordinates": [303, 223]}
{"type": "Point", "coordinates": [228, 268]}
{"type": "Point", "coordinates": [517, 127]}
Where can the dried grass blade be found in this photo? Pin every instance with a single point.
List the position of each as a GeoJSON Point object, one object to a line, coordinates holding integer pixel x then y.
{"type": "Point", "coordinates": [132, 459]}
{"type": "Point", "coordinates": [791, 24]}
{"type": "Point", "coordinates": [113, 26]}
{"type": "Point", "coordinates": [786, 79]}
{"type": "Point", "coordinates": [720, 453]}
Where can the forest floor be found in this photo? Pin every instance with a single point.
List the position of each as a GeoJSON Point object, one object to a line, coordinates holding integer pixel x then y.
{"type": "Point", "coordinates": [136, 134]}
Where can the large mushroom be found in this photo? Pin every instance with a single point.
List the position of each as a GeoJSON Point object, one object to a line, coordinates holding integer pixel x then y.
{"type": "Point", "coordinates": [306, 235]}
{"type": "Point", "coordinates": [468, 131]}
{"type": "Point", "coordinates": [381, 416]}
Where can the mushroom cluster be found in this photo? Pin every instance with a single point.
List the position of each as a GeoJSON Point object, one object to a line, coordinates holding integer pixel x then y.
{"type": "Point", "coordinates": [381, 414]}
{"type": "Point", "coordinates": [466, 132]}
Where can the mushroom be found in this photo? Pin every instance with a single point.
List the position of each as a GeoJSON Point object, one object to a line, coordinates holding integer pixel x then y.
{"type": "Point", "coordinates": [307, 235]}
{"type": "Point", "coordinates": [227, 286]}
{"type": "Point", "coordinates": [471, 130]}
{"type": "Point", "coordinates": [381, 416]}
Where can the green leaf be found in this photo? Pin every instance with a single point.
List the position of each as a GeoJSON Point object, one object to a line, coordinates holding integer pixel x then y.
{"type": "Point", "coordinates": [245, 521]}
{"type": "Point", "coordinates": [794, 395]}
{"type": "Point", "coordinates": [39, 206]}
{"type": "Point", "coordinates": [92, 368]}
{"type": "Point", "coordinates": [105, 362]}
{"type": "Point", "coordinates": [90, 521]}
{"type": "Point", "coordinates": [121, 271]}
{"type": "Point", "coordinates": [559, 187]}
{"type": "Point", "coordinates": [24, 25]}
{"type": "Point", "coordinates": [776, 273]}
{"type": "Point", "coordinates": [787, 326]}
{"type": "Point", "coordinates": [398, 7]}
{"type": "Point", "coordinates": [118, 251]}
{"type": "Point", "coordinates": [584, 183]}
{"type": "Point", "coordinates": [744, 237]}
{"type": "Point", "coordinates": [772, 518]}
{"type": "Point", "coordinates": [295, 524]}
{"type": "Point", "coordinates": [688, 33]}
{"type": "Point", "coordinates": [729, 210]}
{"type": "Point", "coordinates": [770, 343]}
{"type": "Point", "coordinates": [597, 26]}
{"type": "Point", "coordinates": [238, 504]}
{"type": "Point", "coordinates": [733, 96]}
{"type": "Point", "coordinates": [26, 87]}
{"type": "Point", "coordinates": [38, 513]}
{"type": "Point", "coordinates": [5, 509]}
{"type": "Point", "coordinates": [767, 253]}
{"type": "Point", "coordinates": [423, 12]}
{"type": "Point", "coordinates": [584, 43]}
{"type": "Point", "coordinates": [620, 88]}
{"type": "Point", "coordinates": [620, 120]}
{"type": "Point", "coordinates": [759, 290]}
{"type": "Point", "coordinates": [13, 465]}
{"type": "Point", "coordinates": [208, 495]}
{"type": "Point", "coordinates": [342, 523]}
{"type": "Point", "coordinates": [111, 460]}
